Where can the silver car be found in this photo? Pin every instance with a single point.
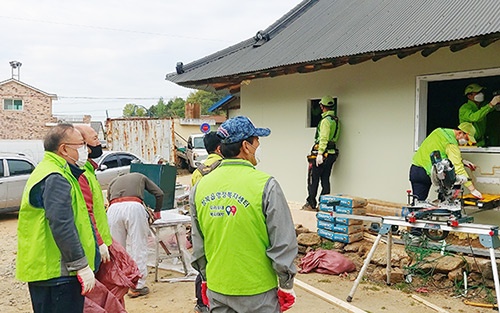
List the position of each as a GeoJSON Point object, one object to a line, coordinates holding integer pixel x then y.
{"type": "Point", "coordinates": [112, 164]}
{"type": "Point", "coordinates": [15, 168]}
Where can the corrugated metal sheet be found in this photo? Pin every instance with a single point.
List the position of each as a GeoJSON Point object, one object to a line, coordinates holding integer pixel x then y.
{"type": "Point", "coordinates": [147, 138]}
{"type": "Point", "coordinates": [327, 29]}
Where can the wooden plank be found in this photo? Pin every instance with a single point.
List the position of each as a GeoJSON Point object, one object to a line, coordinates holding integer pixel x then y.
{"type": "Point", "coordinates": [430, 305]}
{"type": "Point", "coordinates": [328, 297]}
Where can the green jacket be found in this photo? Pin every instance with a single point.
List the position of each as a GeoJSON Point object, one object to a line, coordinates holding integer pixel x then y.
{"type": "Point", "coordinates": [100, 216]}
{"type": "Point", "coordinates": [469, 112]}
{"type": "Point", "coordinates": [443, 140]}
{"type": "Point", "coordinates": [211, 159]}
{"type": "Point", "coordinates": [39, 257]}
{"type": "Point", "coordinates": [328, 130]}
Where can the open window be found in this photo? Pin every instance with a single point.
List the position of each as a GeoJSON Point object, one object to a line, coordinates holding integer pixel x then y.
{"type": "Point", "coordinates": [314, 112]}
{"type": "Point", "coordinates": [440, 96]}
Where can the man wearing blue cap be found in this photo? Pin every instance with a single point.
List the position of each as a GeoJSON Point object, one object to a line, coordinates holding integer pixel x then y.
{"type": "Point", "coordinates": [244, 240]}
{"type": "Point", "coordinates": [475, 110]}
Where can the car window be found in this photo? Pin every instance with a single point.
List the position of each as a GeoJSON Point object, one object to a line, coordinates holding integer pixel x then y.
{"type": "Point", "coordinates": [126, 159]}
{"type": "Point", "coordinates": [111, 161]}
{"type": "Point", "coordinates": [19, 167]}
{"type": "Point", "coordinates": [198, 143]}
{"type": "Point", "coordinates": [1, 168]}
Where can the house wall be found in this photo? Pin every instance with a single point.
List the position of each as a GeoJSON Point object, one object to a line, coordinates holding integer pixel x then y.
{"type": "Point", "coordinates": [377, 113]}
{"type": "Point", "coordinates": [30, 122]}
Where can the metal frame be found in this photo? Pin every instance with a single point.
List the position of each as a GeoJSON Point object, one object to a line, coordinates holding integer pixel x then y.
{"type": "Point", "coordinates": [156, 229]}
{"type": "Point", "coordinates": [488, 236]}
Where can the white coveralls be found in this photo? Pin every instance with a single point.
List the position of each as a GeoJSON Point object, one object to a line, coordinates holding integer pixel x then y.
{"type": "Point", "coordinates": [128, 224]}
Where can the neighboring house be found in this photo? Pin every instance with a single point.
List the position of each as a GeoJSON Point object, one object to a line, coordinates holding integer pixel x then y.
{"type": "Point", "coordinates": [398, 69]}
{"type": "Point", "coordinates": [25, 111]}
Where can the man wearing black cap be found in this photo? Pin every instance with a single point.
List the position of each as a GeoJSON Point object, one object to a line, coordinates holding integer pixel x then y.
{"type": "Point", "coordinates": [475, 110]}
{"type": "Point", "coordinates": [324, 153]}
{"type": "Point", "coordinates": [243, 235]}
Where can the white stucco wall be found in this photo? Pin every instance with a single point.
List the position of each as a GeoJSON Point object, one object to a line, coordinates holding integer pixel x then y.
{"type": "Point", "coordinates": [377, 112]}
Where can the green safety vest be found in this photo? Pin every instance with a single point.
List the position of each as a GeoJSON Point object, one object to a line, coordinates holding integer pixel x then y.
{"type": "Point", "coordinates": [38, 257]}
{"type": "Point", "coordinates": [101, 219]}
{"type": "Point", "coordinates": [437, 140]}
{"type": "Point", "coordinates": [233, 226]}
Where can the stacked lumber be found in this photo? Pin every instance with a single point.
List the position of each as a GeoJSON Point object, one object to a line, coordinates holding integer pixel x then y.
{"type": "Point", "coordinates": [340, 229]}
{"type": "Point", "coordinates": [377, 207]}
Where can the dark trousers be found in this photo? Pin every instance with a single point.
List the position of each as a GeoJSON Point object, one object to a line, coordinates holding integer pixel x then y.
{"type": "Point", "coordinates": [197, 290]}
{"type": "Point", "coordinates": [62, 298]}
{"type": "Point", "coordinates": [420, 186]}
{"type": "Point", "coordinates": [420, 182]}
{"type": "Point", "coordinates": [316, 174]}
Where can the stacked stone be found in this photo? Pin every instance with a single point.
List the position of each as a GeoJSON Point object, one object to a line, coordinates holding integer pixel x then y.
{"type": "Point", "coordinates": [340, 229]}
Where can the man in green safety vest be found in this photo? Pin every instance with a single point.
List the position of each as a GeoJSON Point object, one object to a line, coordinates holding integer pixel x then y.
{"type": "Point", "coordinates": [244, 240]}
{"type": "Point", "coordinates": [57, 250]}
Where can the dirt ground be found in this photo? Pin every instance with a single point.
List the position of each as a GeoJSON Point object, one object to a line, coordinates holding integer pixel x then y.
{"type": "Point", "coordinates": [179, 296]}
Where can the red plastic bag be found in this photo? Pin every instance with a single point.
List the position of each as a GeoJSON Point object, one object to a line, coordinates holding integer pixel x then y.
{"type": "Point", "coordinates": [119, 274]}
{"type": "Point", "coordinates": [326, 262]}
{"type": "Point", "coordinates": [101, 300]}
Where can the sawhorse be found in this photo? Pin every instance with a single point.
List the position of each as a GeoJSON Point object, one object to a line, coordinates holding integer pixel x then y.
{"type": "Point", "coordinates": [172, 221]}
{"type": "Point", "coordinates": [488, 237]}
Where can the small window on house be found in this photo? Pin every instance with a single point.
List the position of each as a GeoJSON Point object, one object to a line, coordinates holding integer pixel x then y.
{"type": "Point", "coordinates": [439, 98]}
{"type": "Point", "coordinates": [314, 112]}
{"type": "Point", "coordinates": [13, 104]}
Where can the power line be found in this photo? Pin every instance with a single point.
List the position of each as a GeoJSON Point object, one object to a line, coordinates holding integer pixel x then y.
{"type": "Point", "coordinates": [108, 98]}
{"type": "Point", "coordinates": [109, 28]}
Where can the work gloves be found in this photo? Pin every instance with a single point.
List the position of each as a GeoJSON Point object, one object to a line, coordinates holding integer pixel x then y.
{"type": "Point", "coordinates": [469, 164]}
{"type": "Point", "coordinates": [476, 194]}
{"type": "Point", "coordinates": [319, 159]}
{"type": "Point", "coordinates": [86, 278]}
{"type": "Point", "coordinates": [103, 250]}
{"type": "Point", "coordinates": [461, 179]}
{"type": "Point", "coordinates": [286, 298]}
{"type": "Point", "coordinates": [204, 296]}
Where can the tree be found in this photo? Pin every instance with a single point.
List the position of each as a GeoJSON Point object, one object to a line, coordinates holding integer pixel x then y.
{"type": "Point", "coordinates": [132, 109]}
{"type": "Point", "coordinates": [205, 98]}
{"type": "Point", "coordinates": [176, 107]}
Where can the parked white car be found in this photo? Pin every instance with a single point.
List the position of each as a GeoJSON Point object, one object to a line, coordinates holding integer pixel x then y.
{"type": "Point", "coordinates": [112, 164]}
{"type": "Point", "coordinates": [15, 168]}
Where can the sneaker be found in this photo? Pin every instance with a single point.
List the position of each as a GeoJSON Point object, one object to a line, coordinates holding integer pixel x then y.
{"type": "Point", "coordinates": [201, 309]}
{"type": "Point", "coordinates": [134, 293]}
{"type": "Point", "coordinates": [308, 207]}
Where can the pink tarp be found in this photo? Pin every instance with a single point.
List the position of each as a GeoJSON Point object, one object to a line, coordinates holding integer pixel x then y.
{"type": "Point", "coordinates": [326, 262]}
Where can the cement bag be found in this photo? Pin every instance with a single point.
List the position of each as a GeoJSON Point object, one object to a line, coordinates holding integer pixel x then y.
{"type": "Point", "coordinates": [326, 262]}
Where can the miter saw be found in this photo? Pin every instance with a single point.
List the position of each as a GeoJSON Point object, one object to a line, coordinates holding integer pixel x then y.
{"type": "Point", "coordinates": [448, 208]}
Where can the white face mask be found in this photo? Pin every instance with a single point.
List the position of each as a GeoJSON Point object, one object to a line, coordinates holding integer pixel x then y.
{"type": "Point", "coordinates": [463, 141]}
{"type": "Point", "coordinates": [258, 154]}
{"type": "Point", "coordinates": [83, 155]}
{"type": "Point", "coordinates": [479, 97]}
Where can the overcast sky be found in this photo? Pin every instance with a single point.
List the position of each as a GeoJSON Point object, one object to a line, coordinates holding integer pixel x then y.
{"type": "Point", "coordinates": [98, 55]}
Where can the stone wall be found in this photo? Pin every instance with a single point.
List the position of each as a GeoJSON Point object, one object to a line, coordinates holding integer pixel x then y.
{"type": "Point", "coordinates": [30, 122]}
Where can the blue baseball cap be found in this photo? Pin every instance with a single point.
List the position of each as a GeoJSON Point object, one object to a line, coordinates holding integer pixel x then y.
{"type": "Point", "coordinates": [239, 128]}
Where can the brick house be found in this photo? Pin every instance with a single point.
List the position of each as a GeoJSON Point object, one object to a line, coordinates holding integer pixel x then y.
{"type": "Point", "coordinates": [25, 111]}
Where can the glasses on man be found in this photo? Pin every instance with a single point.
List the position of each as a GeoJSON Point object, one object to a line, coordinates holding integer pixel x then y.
{"type": "Point", "coordinates": [79, 144]}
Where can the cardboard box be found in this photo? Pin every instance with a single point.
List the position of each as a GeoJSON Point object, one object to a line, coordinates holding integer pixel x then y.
{"type": "Point", "coordinates": [340, 237]}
